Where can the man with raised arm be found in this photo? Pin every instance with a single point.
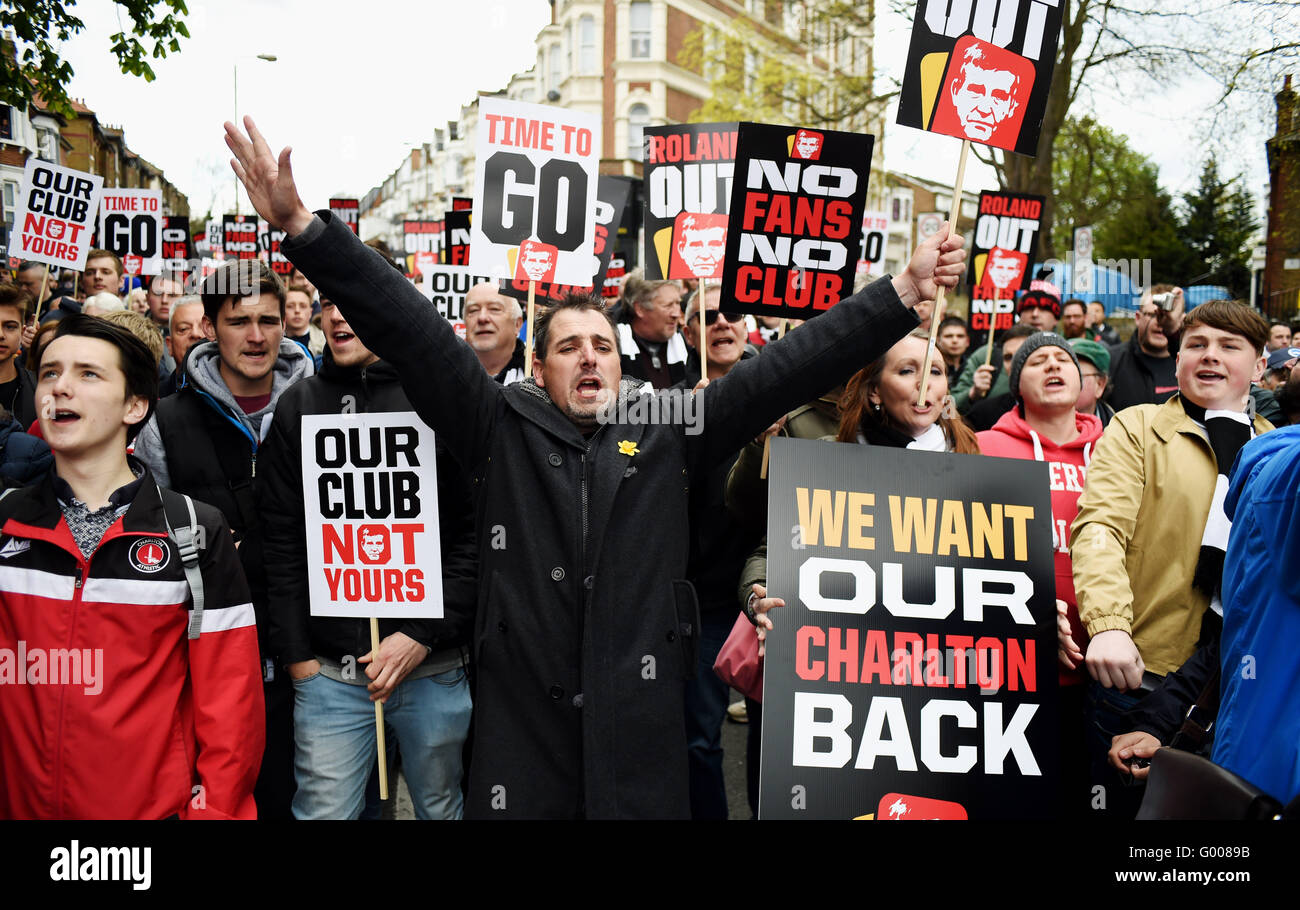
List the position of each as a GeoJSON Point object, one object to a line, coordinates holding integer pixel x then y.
{"type": "Point", "coordinates": [586, 629]}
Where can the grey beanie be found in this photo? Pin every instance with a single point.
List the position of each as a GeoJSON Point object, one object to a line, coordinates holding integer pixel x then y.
{"type": "Point", "coordinates": [1033, 343]}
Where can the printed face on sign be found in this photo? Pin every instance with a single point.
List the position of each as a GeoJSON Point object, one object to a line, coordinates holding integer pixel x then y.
{"type": "Point", "coordinates": [984, 93]}
{"type": "Point", "coordinates": [1004, 271]}
{"type": "Point", "coordinates": [701, 244]}
{"type": "Point", "coordinates": [807, 145]}
{"type": "Point", "coordinates": [536, 261]}
{"type": "Point", "coordinates": [374, 543]}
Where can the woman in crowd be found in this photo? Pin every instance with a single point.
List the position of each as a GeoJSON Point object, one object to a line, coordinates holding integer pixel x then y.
{"type": "Point", "coordinates": [879, 407]}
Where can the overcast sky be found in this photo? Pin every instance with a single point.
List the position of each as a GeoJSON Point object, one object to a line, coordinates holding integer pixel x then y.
{"type": "Point", "coordinates": [355, 85]}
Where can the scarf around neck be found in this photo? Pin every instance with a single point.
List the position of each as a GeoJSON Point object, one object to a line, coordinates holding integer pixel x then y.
{"type": "Point", "coordinates": [1227, 432]}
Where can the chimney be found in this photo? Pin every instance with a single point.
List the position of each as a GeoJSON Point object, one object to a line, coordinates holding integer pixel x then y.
{"type": "Point", "coordinates": [1286, 109]}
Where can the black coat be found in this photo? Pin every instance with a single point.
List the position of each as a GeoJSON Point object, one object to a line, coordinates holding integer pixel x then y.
{"type": "Point", "coordinates": [295, 634]}
{"type": "Point", "coordinates": [1130, 381]}
{"type": "Point", "coordinates": [586, 630]}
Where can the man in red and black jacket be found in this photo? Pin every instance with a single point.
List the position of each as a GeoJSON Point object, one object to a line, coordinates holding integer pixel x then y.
{"type": "Point", "coordinates": [124, 697]}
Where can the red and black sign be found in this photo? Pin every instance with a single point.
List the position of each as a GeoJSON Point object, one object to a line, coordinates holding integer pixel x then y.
{"type": "Point", "coordinates": [611, 198]}
{"type": "Point", "coordinates": [912, 672]}
{"type": "Point", "coordinates": [280, 264]}
{"type": "Point", "coordinates": [422, 237]}
{"type": "Point", "coordinates": [239, 236]}
{"type": "Point", "coordinates": [981, 70]}
{"type": "Point", "coordinates": [1005, 242]}
{"type": "Point", "coordinates": [462, 204]}
{"type": "Point", "coordinates": [348, 211]}
{"type": "Point", "coordinates": [796, 219]}
{"type": "Point", "coordinates": [458, 222]}
{"type": "Point", "coordinates": [688, 174]}
{"type": "Point", "coordinates": [177, 249]}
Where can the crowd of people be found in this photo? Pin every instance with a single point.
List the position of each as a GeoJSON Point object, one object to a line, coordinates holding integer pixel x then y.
{"type": "Point", "coordinates": [591, 569]}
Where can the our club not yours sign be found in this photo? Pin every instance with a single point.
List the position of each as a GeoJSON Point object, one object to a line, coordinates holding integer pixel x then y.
{"type": "Point", "coordinates": [370, 488]}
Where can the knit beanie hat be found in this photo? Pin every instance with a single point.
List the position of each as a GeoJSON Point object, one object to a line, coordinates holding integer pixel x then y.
{"type": "Point", "coordinates": [1033, 343]}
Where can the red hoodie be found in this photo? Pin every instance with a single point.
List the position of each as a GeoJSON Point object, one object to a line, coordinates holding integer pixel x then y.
{"type": "Point", "coordinates": [1011, 437]}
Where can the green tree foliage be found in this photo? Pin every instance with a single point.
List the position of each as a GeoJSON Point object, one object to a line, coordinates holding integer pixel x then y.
{"type": "Point", "coordinates": [806, 62]}
{"type": "Point", "coordinates": [1218, 225]}
{"type": "Point", "coordinates": [1098, 179]}
{"type": "Point", "coordinates": [35, 68]}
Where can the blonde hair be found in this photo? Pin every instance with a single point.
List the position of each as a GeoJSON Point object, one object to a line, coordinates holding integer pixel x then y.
{"type": "Point", "coordinates": [141, 327]}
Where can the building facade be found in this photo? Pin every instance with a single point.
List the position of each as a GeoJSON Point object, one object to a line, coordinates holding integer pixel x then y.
{"type": "Point", "coordinates": [626, 62]}
{"type": "Point", "coordinates": [1280, 295]}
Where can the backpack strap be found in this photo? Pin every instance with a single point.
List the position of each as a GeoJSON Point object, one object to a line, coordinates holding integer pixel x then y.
{"type": "Point", "coordinates": [183, 529]}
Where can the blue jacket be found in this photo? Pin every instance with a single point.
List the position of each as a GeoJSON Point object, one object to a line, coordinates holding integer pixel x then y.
{"type": "Point", "coordinates": [1258, 734]}
{"type": "Point", "coordinates": [23, 458]}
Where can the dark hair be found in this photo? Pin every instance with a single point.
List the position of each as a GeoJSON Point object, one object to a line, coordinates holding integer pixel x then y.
{"type": "Point", "coordinates": [237, 280]}
{"type": "Point", "coordinates": [954, 320]}
{"type": "Point", "coordinates": [15, 296]}
{"type": "Point", "coordinates": [1019, 330]}
{"type": "Point", "coordinates": [855, 410]}
{"type": "Point", "coordinates": [1230, 316]}
{"type": "Point", "coordinates": [135, 359]}
{"type": "Point", "coordinates": [34, 353]}
{"type": "Point", "coordinates": [106, 254]}
{"type": "Point", "coordinates": [578, 302]}
{"type": "Point", "coordinates": [1071, 302]}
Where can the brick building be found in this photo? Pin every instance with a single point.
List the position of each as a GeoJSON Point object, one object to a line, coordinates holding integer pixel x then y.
{"type": "Point", "coordinates": [1280, 297]}
{"type": "Point", "coordinates": [622, 61]}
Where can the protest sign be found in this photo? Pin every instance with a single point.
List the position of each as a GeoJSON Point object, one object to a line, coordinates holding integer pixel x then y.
{"type": "Point", "coordinates": [54, 214]}
{"type": "Point", "coordinates": [271, 240]}
{"type": "Point", "coordinates": [915, 657]}
{"type": "Point", "coordinates": [462, 204]}
{"type": "Point", "coordinates": [370, 487]}
{"type": "Point", "coordinates": [535, 185]}
{"type": "Point", "coordinates": [177, 248]}
{"type": "Point", "coordinates": [981, 70]}
{"type": "Point", "coordinates": [130, 225]}
{"type": "Point", "coordinates": [1081, 266]}
{"type": "Point", "coordinates": [875, 237]}
{"type": "Point", "coordinates": [796, 213]}
{"type": "Point", "coordinates": [423, 237]}
{"type": "Point", "coordinates": [446, 287]}
{"type": "Point", "coordinates": [239, 236]}
{"type": "Point", "coordinates": [459, 225]}
{"type": "Point", "coordinates": [216, 235]}
{"type": "Point", "coordinates": [611, 197]}
{"type": "Point", "coordinates": [348, 211]}
{"type": "Point", "coordinates": [1002, 251]}
{"type": "Point", "coordinates": [688, 175]}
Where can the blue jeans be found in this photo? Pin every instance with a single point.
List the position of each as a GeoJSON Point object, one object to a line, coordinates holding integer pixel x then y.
{"type": "Point", "coordinates": [706, 707]}
{"type": "Point", "coordinates": [334, 732]}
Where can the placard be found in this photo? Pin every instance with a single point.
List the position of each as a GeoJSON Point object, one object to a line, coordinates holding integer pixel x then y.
{"type": "Point", "coordinates": [370, 488]}
{"type": "Point", "coordinates": [981, 70]}
{"type": "Point", "coordinates": [688, 177]}
{"type": "Point", "coordinates": [446, 287]}
{"type": "Point", "coordinates": [534, 192]}
{"type": "Point", "coordinates": [875, 241]}
{"type": "Point", "coordinates": [1002, 254]}
{"type": "Point", "coordinates": [54, 215]}
{"type": "Point", "coordinates": [130, 225]}
{"type": "Point", "coordinates": [459, 225]}
{"type": "Point", "coordinates": [239, 236]}
{"type": "Point", "coordinates": [611, 197]}
{"type": "Point", "coordinates": [177, 248]}
{"type": "Point", "coordinates": [912, 671]}
{"type": "Point", "coordinates": [796, 213]}
{"type": "Point", "coordinates": [348, 211]}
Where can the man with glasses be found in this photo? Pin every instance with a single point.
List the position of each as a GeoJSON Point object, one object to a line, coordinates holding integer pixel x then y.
{"type": "Point", "coordinates": [492, 322]}
{"type": "Point", "coordinates": [1142, 371]}
{"type": "Point", "coordinates": [724, 335]}
{"type": "Point", "coordinates": [1094, 367]}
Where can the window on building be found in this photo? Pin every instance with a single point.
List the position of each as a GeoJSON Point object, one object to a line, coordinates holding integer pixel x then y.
{"type": "Point", "coordinates": [526, 95]}
{"type": "Point", "coordinates": [47, 145]}
{"type": "Point", "coordinates": [6, 122]}
{"type": "Point", "coordinates": [639, 19]}
{"type": "Point", "coordinates": [557, 67]}
{"type": "Point", "coordinates": [568, 47]}
{"type": "Point", "coordinates": [638, 118]}
{"type": "Point", "coordinates": [751, 71]}
{"type": "Point", "coordinates": [10, 197]}
{"type": "Point", "coordinates": [587, 45]}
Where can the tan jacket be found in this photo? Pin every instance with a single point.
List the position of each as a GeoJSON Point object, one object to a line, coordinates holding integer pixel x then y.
{"type": "Point", "coordinates": [1137, 536]}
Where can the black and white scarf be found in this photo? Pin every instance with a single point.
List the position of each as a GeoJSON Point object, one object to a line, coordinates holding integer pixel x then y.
{"type": "Point", "coordinates": [1228, 431]}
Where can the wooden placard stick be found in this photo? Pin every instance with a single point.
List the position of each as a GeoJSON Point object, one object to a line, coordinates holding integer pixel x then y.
{"type": "Point", "coordinates": [937, 316]}
{"type": "Point", "coordinates": [528, 342]}
{"type": "Point", "coordinates": [704, 345]}
{"type": "Point", "coordinates": [379, 716]}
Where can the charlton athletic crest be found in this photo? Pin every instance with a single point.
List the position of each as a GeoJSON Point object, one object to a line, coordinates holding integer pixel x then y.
{"type": "Point", "coordinates": [149, 555]}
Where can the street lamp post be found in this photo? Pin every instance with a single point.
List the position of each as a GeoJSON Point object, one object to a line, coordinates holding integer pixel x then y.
{"type": "Point", "coordinates": [269, 58]}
